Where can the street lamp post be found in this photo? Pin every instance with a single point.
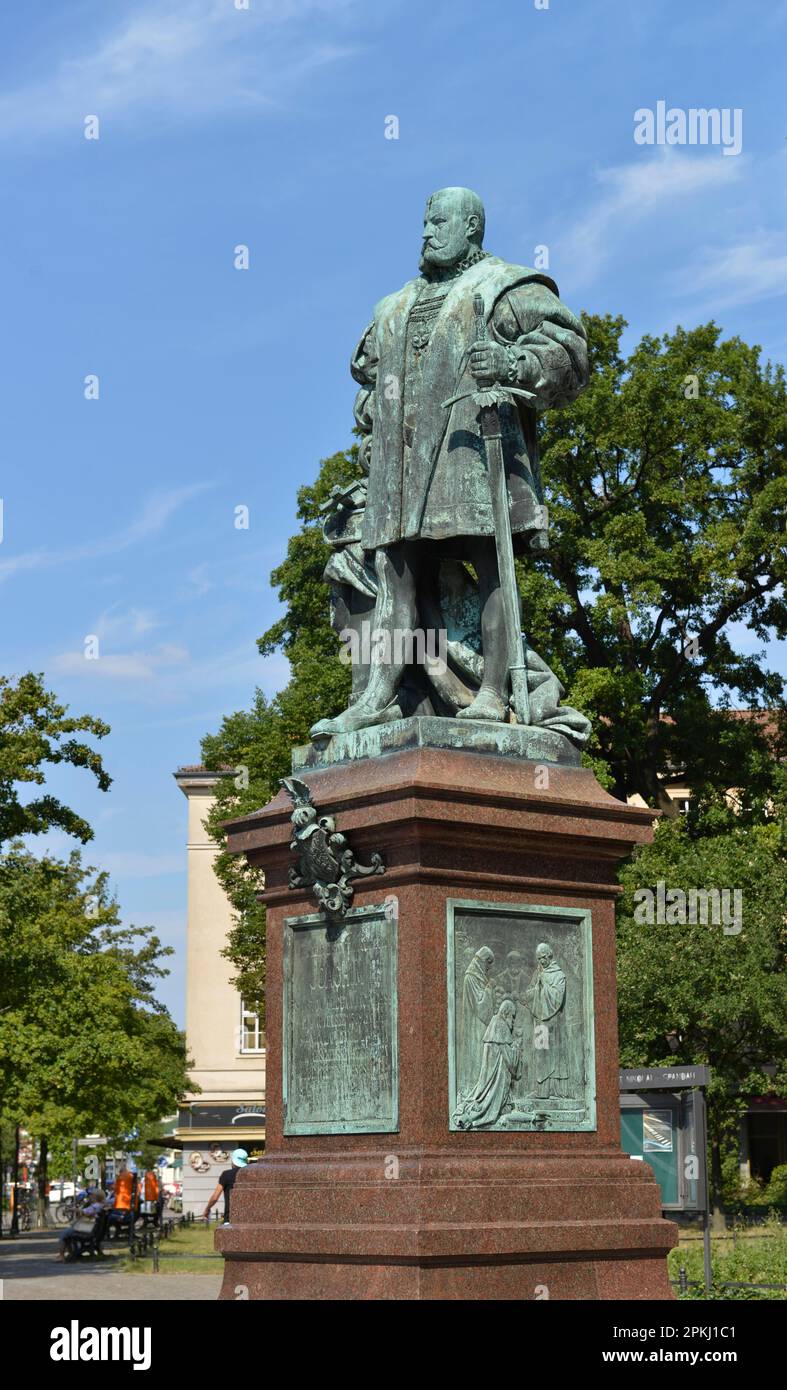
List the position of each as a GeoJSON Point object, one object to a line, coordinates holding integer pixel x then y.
{"type": "Point", "coordinates": [15, 1186]}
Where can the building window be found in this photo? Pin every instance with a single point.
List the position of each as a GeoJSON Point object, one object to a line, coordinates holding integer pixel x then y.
{"type": "Point", "coordinates": [767, 1143]}
{"type": "Point", "coordinates": [252, 1038]}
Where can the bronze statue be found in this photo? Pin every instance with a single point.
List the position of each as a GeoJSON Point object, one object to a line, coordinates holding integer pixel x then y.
{"type": "Point", "coordinates": [452, 371]}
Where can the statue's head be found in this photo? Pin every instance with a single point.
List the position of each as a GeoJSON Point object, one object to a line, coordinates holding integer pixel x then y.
{"type": "Point", "coordinates": [507, 1011]}
{"type": "Point", "coordinates": [453, 226]}
{"type": "Point", "coordinates": [544, 954]}
{"type": "Point", "coordinates": [485, 958]}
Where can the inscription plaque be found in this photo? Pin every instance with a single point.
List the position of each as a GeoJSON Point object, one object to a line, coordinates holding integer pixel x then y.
{"type": "Point", "coordinates": [520, 1017]}
{"type": "Point", "coordinates": [340, 1056]}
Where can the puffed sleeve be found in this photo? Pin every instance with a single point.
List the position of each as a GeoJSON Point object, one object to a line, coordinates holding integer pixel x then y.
{"type": "Point", "coordinates": [546, 343]}
{"type": "Point", "coordinates": [363, 368]}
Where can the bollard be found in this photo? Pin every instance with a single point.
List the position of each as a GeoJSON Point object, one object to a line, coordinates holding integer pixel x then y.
{"type": "Point", "coordinates": [155, 1257]}
{"type": "Point", "coordinates": [683, 1280]}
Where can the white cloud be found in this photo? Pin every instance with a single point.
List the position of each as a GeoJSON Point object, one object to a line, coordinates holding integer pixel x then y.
{"type": "Point", "coordinates": [179, 58]}
{"type": "Point", "coordinates": [126, 666]}
{"type": "Point", "coordinates": [121, 624]}
{"type": "Point", "coordinates": [741, 273]}
{"type": "Point", "coordinates": [198, 579]}
{"type": "Point", "coordinates": [165, 674]}
{"type": "Point", "coordinates": [156, 512]}
{"type": "Point", "coordinates": [630, 194]}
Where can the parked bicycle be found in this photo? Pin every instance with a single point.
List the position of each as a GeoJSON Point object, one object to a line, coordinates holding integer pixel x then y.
{"type": "Point", "coordinates": [70, 1209]}
{"type": "Point", "coordinates": [24, 1212]}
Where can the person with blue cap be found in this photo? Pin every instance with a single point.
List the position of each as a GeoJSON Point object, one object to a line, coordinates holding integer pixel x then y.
{"type": "Point", "coordinates": [239, 1159]}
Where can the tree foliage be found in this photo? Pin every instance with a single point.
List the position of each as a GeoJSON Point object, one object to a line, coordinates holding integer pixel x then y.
{"type": "Point", "coordinates": [35, 732]}
{"type": "Point", "coordinates": [85, 1047]}
{"type": "Point", "coordinates": [691, 993]}
{"type": "Point", "coordinates": [666, 484]}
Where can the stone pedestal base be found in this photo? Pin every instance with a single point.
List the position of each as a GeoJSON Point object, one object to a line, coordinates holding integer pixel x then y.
{"type": "Point", "coordinates": [429, 1212]}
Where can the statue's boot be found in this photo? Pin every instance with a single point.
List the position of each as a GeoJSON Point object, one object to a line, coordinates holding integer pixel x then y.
{"type": "Point", "coordinates": [358, 716]}
{"type": "Point", "coordinates": [487, 704]}
{"type": "Point", "coordinates": [377, 705]}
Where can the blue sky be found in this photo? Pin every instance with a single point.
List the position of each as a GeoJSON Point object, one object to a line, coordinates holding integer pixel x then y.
{"type": "Point", "coordinates": [219, 387]}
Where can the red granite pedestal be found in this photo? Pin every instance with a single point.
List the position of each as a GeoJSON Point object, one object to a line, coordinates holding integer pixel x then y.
{"type": "Point", "coordinates": [427, 1213]}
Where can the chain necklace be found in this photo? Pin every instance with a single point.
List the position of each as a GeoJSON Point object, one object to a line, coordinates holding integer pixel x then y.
{"type": "Point", "coordinates": [431, 296]}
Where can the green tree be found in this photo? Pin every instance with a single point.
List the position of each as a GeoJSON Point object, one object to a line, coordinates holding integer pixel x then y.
{"type": "Point", "coordinates": [666, 484]}
{"type": "Point", "coordinates": [693, 993]}
{"type": "Point", "coordinates": [85, 1047]}
{"type": "Point", "coordinates": [35, 732]}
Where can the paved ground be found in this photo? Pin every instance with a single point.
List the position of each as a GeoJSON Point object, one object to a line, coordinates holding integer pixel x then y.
{"type": "Point", "coordinates": [28, 1270]}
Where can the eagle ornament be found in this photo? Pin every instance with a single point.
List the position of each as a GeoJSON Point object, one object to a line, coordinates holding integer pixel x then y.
{"type": "Point", "coordinates": [326, 864]}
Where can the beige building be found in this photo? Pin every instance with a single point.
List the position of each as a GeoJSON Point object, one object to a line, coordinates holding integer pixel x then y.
{"type": "Point", "coordinates": [223, 1031]}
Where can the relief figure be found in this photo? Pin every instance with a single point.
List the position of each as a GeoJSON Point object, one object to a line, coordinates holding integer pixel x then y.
{"type": "Point", "coordinates": [501, 1066]}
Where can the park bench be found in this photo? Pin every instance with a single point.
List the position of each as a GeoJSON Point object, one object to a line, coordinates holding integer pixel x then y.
{"type": "Point", "coordinates": [87, 1241]}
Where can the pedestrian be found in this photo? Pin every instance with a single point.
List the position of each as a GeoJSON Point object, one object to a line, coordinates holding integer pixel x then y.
{"type": "Point", "coordinates": [84, 1221]}
{"type": "Point", "coordinates": [125, 1205]}
{"type": "Point", "coordinates": [239, 1159]}
{"type": "Point", "coordinates": [149, 1188]}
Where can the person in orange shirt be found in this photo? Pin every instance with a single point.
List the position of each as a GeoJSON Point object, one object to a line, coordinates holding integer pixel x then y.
{"type": "Point", "coordinates": [152, 1196]}
{"type": "Point", "coordinates": [125, 1205]}
{"type": "Point", "coordinates": [124, 1189]}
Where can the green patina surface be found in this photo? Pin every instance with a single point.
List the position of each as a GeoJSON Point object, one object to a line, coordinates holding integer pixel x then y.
{"type": "Point", "coordinates": [452, 370]}
{"type": "Point", "coordinates": [527, 742]}
{"type": "Point", "coordinates": [521, 1052]}
{"type": "Point", "coordinates": [340, 1056]}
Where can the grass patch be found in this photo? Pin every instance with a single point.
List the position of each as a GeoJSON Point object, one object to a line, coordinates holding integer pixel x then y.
{"type": "Point", "coordinates": [180, 1254]}
{"type": "Point", "coordinates": [746, 1254]}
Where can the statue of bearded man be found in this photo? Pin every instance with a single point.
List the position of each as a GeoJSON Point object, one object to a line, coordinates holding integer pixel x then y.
{"type": "Point", "coordinates": [428, 492]}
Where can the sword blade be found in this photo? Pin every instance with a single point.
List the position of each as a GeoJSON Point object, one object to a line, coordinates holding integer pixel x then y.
{"type": "Point", "coordinates": [498, 489]}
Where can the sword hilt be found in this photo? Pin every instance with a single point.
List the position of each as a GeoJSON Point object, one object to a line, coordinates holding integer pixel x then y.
{"type": "Point", "coordinates": [480, 335]}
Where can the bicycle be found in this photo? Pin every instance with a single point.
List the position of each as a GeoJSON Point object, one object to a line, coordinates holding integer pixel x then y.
{"type": "Point", "coordinates": [68, 1210]}
{"type": "Point", "coordinates": [23, 1211]}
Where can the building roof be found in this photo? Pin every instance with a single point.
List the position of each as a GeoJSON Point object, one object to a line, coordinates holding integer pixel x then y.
{"type": "Point", "coordinates": [197, 773]}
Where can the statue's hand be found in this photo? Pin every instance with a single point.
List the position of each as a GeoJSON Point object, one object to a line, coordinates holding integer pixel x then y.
{"type": "Point", "coordinates": [489, 361]}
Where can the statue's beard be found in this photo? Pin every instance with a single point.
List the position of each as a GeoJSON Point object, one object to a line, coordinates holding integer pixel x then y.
{"type": "Point", "coordinates": [433, 266]}
{"type": "Point", "coordinates": [430, 260]}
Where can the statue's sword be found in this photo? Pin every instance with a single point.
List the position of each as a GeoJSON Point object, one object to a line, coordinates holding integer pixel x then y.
{"type": "Point", "coordinates": [489, 398]}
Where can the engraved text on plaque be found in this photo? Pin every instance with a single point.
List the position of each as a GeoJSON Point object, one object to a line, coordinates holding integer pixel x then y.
{"type": "Point", "coordinates": [340, 1071]}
